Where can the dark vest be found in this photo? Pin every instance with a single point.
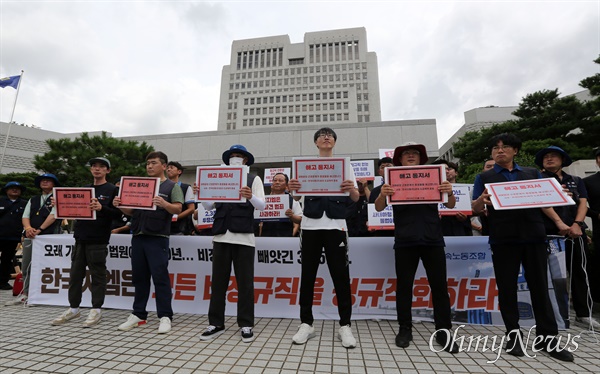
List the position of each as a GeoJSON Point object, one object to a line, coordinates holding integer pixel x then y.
{"type": "Point", "coordinates": [279, 228]}
{"type": "Point", "coordinates": [38, 214]}
{"type": "Point", "coordinates": [417, 225]}
{"type": "Point", "coordinates": [154, 222]}
{"type": "Point", "coordinates": [566, 213]}
{"type": "Point", "coordinates": [184, 225]}
{"type": "Point", "coordinates": [333, 206]}
{"type": "Point", "coordinates": [515, 225]}
{"type": "Point", "coordinates": [11, 213]}
{"type": "Point", "coordinates": [235, 217]}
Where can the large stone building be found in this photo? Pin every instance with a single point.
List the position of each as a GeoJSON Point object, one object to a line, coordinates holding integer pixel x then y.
{"type": "Point", "coordinates": [330, 78]}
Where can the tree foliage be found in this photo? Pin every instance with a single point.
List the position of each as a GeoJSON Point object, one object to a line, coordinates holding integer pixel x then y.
{"type": "Point", "coordinates": [68, 158]}
{"type": "Point", "coordinates": [544, 119]}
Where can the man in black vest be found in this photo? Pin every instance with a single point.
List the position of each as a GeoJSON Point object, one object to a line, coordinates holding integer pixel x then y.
{"type": "Point", "coordinates": [91, 242]}
{"type": "Point", "coordinates": [38, 219]}
{"type": "Point", "coordinates": [382, 163]}
{"type": "Point", "coordinates": [233, 243]}
{"type": "Point", "coordinates": [182, 223]}
{"type": "Point", "coordinates": [324, 227]}
{"type": "Point", "coordinates": [518, 237]}
{"type": "Point", "coordinates": [11, 228]}
{"type": "Point", "coordinates": [551, 160]}
{"type": "Point", "coordinates": [592, 185]}
{"type": "Point", "coordinates": [150, 247]}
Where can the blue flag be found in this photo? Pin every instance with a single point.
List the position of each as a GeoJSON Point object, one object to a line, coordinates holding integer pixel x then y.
{"type": "Point", "coordinates": [10, 81]}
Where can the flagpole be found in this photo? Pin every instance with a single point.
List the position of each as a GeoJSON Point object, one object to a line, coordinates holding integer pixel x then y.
{"type": "Point", "coordinates": [11, 120]}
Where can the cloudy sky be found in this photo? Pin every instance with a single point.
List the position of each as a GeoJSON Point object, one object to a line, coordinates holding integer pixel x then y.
{"type": "Point", "coordinates": [151, 67]}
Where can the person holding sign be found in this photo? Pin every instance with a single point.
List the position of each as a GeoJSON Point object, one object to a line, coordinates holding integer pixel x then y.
{"type": "Point", "coordinates": [289, 227]}
{"type": "Point", "coordinates": [551, 160]}
{"type": "Point", "coordinates": [150, 247]}
{"type": "Point", "coordinates": [38, 219]}
{"type": "Point", "coordinates": [233, 230]}
{"type": "Point", "coordinates": [91, 246]}
{"type": "Point", "coordinates": [458, 224]}
{"type": "Point", "coordinates": [324, 227]}
{"type": "Point", "coordinates": [418, 236]}
{"type": "Point", "coordinates": [518, 237]}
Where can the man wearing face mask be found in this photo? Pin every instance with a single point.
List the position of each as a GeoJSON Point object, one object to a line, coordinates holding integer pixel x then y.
{"type": "Point", "coordinates": [233, 242]}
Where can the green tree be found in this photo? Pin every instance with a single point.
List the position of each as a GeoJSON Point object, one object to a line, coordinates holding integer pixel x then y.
{"type": "Point", "coordinates": [544, 119]}
{"type": "Point", "coordinates": [67, 158]}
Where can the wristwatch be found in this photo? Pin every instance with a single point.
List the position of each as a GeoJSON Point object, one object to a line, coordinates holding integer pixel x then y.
{"type": "Point", "coordinates": [580, 223]}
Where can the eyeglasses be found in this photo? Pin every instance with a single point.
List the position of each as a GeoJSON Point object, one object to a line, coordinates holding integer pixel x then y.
{"type": "Point", "coordinates": [325, 135]}
{"type": "Point", "coordinates": [411, 152]}
{"type": "Point", "coordinates": [504, 147]}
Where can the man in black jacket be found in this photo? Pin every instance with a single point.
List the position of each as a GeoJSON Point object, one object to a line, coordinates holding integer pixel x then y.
{"type": "Point", "coordinates": [592, 185]}
{"type": "Point", "coordinates": [91, 242]}
{"type": "Point", "coordinates": [11, 228]}
{"type": "Point", "coordinates": [518, 237]}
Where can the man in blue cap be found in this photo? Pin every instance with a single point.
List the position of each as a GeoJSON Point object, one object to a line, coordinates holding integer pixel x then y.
{"type": "Point", "coordinates": [11, 228]}
{"type": "Point", "coordinates": [233, 242]}
{"type": "Point", "coordinates": [38, 219]}
{"type": "Point", "coordinates": [551, 160]}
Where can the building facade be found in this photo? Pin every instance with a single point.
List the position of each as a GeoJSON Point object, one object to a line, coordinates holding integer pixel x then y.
{"type": "Point", "coordinates": [330, 78]}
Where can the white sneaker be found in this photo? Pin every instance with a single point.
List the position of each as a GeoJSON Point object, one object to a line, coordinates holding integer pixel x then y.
{"type": "Point", "coordinates": [345, 335]}
{"type": "Point", "coordinates": [19, 300]}
{"type": "Point", "coordinates": [588, 322]}
{"type": "Point", "coordinates": [247, 334]}
{"type": "Point", "coordinates": [304, 333]}
{"type": "Point", "coordinates": [132, 321]}
{"type": "Point", "coordinates": [67, 315]}
{"type": "Point", "coordinates": [165, 325]}
{"type": "Point", "coordinates": [93, 318]}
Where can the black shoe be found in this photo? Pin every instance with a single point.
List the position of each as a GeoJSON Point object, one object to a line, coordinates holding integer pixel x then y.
{"type": "Point", "coordinates": [212, 332]}
{"type": "Point", "coordinates": [514, 344]}
{"type": "Point", "coordinates": [404, 336]}
{"type": "Point", "coordinates": [5, 286]}
{"type": "Point", "coordinates": [444, 338]}
{"type": "Point", "coordinates": [554, 350]}
{"type": "Point", "coordinates": [247, 334]}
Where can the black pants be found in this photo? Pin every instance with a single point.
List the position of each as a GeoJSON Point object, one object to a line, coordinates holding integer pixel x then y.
{"type": "Point", "coordinates": [150, 259]}
{"type": "Point", "coordinates": [94, 257]}
{"type": "Point", "coordinates": [534, 258]}
{"type": "Point", "coordinates": [434, 262]}
{"type": "Point", "coordinates": [242, 258]}
{"type": "Point", "coordinates": [579, 283]}
{"type": "Point", "coordinates": [335, 243]}
{"type": "Point", "coordinates": [8, 249]}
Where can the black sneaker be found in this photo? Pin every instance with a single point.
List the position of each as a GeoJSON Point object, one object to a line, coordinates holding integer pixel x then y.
{"type": "Point", "coordinates": [247, 334]}
{"type": "Point", "coordinates": [404, 336]}
{"type": "Point", "coordinates": [553, 349]}
{"type": "Point", "coordinates": [514, 344]}
{"type": "Point", "coordinates": [5, 286]}
{"type": "Point", "coordinates": [212, 332]}
{"type": "Point", "coordinates": [444, 338]}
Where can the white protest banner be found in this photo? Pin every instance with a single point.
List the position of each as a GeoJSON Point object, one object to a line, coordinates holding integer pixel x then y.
{"type": "Point", "coordinates": [74, 202]}
{"type": "Point", "coordinates": [270, 173]}
{"type": "Point", "coordinates": [471, 280]}
{"type": "Point", "coordinates": [462, 194]}
{"type": "Point", "coordinates": [383, 220]}
{"type": "Point", "coordinates": [321, 176]}
{"type": "Point", "coordinates": [275, 208]}
{"type": "Point", "coordinates": [221, 183]}
{"type": "Point", "coordinates": [386, 152]}
{"type": "Point", "coordinates": [533, 193]}
{"type": "Point", "coordinates": [206, 218]}
{"type": "Point", "coordinates": [363, 169]}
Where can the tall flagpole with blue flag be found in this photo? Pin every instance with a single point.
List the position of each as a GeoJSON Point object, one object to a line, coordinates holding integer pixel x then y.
{"type": "Point", "coordinates": [14, 82]}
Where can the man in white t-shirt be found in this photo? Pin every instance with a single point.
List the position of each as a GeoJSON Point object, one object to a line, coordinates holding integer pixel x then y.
{"type": "Point", "coordinates": [324, 226]}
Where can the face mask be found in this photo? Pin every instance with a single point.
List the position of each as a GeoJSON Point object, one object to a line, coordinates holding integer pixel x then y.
{"type": "Point", "coordinates": [236, 161]}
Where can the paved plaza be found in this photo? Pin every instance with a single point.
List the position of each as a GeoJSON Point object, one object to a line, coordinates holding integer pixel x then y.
{"type": "Point", "coordinates": [31, 345]}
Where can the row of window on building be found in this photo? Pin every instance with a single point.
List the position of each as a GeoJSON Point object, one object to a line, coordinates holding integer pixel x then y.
{"type": "Point", "coordinates": [298, 71]}
{"type": "Point", "coordinates": [300, 97]}
{"type": "Point", "coordinates": [298, 81]}
{"type": "Point", "coordinates": [302, 108]}
{"type": "Point", "coordinates": [318, 53]}
{"type": "Point", "coordinates": [332, 117]}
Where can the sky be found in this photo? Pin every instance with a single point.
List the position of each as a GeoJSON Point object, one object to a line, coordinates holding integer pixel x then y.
{"type": "Point", "coordinates": [154, 67]}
